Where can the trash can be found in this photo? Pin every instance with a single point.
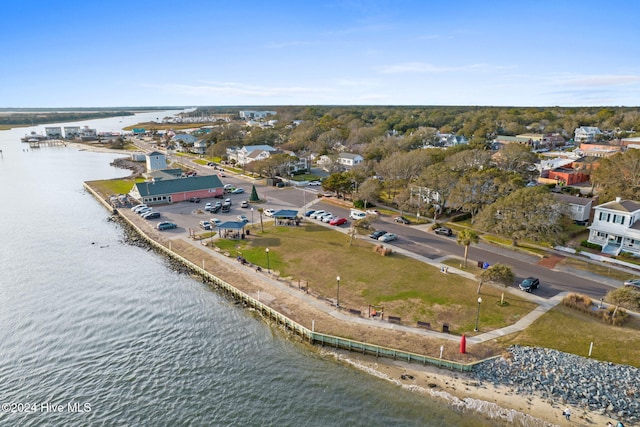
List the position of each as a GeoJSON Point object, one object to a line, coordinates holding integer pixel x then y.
{"type": "Point", "coordinates": [445, 328]}
{"type": "Point", "coordinates": [480, 264]}
{"type": "Point", "coordinates": [248, 232]}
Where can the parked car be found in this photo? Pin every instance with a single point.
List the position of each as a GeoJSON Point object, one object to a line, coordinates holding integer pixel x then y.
{"type": "Point", "coordinates": [314, 183]}
{"type": "Point", "coordinates": [388, 237]}
{"type": "Point", "coordinates": [323, 216]}
{"type": "Point", "coordinates": [211, 163]}
{"type": "Point", "coordinates": [194, 200]}
{"type": "Point", "coordinates": [136, 208]}
{"type": "Point", "coordinates": [327, 217]}
{"type": "Point", "coordinates": [338, 221]}
{"type": "Point", "coordinates": [243, 218]}
{"type": "Point", "coordinates": [316, 214]}
{"type": "Point", "coordinates": [151, 215]}
{"type": "Point", "coordinates": [227, 202]}
{"type": "Point", "coordinates": [309, 212]}
{"type": "Point", "coordinates": [143, 211]}
{"type": "Point", "coordinates": [402, 220]}
{"type": "Point", "coordinates": [216, 222]}
{"type": "Point", "coordinates": [529, 284]}
{"type": "Point", "coordinates": [226, 208]}
{"type": "Point", "coordinates": [222, 175]}
{"type": "Point", "coordinates": [166, 225]}
{"type": "Point", "coordinates": [205, 225]}
{"type": "Point", "coordinates": [208, 207]}
{"type": "Point", "coordinates": [238, 191]}
{"type": "Point", "coordinates": [269, 212]}
{"type": "Point", "coordinates": [444, 231]}
{"type": "Point", "coordinates": [632, 283]}
{"type": "Point", "coordinates": [244, 204]}
{"type": "Point", "coordinates": [376, 234]}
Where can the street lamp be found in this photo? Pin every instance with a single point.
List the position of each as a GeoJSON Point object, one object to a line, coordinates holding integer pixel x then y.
{"type": "Point", "coordinates": [478, 314]}
{"type": "Point", "coordinates": [252, 217]}
{"type": "Point", "coordinates": [338, 296]}
{"type": "Point", "coordinates": [268, 267]}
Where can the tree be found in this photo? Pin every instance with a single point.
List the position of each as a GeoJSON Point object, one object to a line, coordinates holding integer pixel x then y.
{"type": "Point", "coordinates": [440, 179]}
{"type": "Point", "coordinates": [530, 212]}
{"type": "Point", "coordinates": [271, 166]}
{"type": "Point", "coordinates": [340, 183]}
{"type": "Point", "coordinates": [475, 190]}
{"type": "Point", "coordinates": [517, 158]}
{"type": "Point", "coordinates": [618, 176]}
{"type": "Point", "coordinates": [254, 194]}
{"type": "Point", "coordinates": [369, 191]}
{"type": "Point", "coordinates": [498, 273]}
{"type": "Point", "coordinates": [465, 238]}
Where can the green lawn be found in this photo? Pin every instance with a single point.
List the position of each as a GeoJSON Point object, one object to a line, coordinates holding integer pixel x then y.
{"type": "Point", "coordinates": [406, 288]}
{"type": "Point", "coordinates": [114, 186]}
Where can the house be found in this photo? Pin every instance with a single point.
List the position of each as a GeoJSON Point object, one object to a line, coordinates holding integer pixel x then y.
{"type": "Point", "coordinates": [579, 208]}
{"type": "Point", "coordinates": [616, 227]}
{"type": "Point", "coordinates": [450, 140]}
{"type": "Point", "coordinates": [156, 161]}
{"type": "Point", "coordinates": [200, 146]}
{"type": "Point", "coordinates": [568, 176]}
{"type": "Point", "coordinates": [249, 153]}
{"type": "Point", "coordinates": [159, 191]}
{"type": "Point", "coordinates": [251, 114]}
{"type": "Point", "coordinates": [349, 160]}
{"type": "Point", "coordinates": [599, 150]}
{"type": "Point", "coordinates": [71, 132]}
{"type": "Point", "coordinates": [53, 132]}
{"type": "Point", "coordinates": [586, 134]}
{"type": "Point", "coordinates": [541, 140]}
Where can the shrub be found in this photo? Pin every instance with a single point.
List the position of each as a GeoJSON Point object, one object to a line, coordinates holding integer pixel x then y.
{"type": "Point", "coordinates": [358, 204]}
{"type": "Point", "coordinates": [460, 217]}
{"type": "Point", "coordinates": [587, 244]}
{"type": "Point", "coordinates": [380, 249]}
{"type": "Point", "coordinates": [435, 225]}
{"type": "Point", "coordinates": [614, 315]}
{"type": "Point", "coordinates": [626, 297]}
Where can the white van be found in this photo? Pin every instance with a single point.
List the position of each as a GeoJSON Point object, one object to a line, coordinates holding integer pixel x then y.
{"type": "Point", "coordinates": [357, 214]}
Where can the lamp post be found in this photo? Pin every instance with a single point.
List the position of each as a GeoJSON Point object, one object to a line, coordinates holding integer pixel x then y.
{"type": "Point", "coordinates": [268, 267]}
{"type": "Point", "coordinates": [252, 217]}
{"type": "Point", "coordinates": [338, 295]}
{"type": "Point", "coordinates": [478, 314]}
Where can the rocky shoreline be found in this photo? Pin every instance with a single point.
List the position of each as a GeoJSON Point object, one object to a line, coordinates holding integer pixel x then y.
{"type": "Point", "coordinates": [566, 379]}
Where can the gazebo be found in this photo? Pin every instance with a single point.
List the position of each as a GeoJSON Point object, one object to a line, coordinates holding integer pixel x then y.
{"type": "Point", "coordinates": [232, 230]}
{"type": "Point", "coordinates": [286, 217]}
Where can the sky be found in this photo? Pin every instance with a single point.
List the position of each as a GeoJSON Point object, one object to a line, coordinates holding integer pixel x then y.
{"type": "Point", "coordinates": [117, 53]}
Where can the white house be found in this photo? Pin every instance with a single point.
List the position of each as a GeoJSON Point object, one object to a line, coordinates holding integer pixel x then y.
{"type": "Point", "coordinates": [156, 161]}
{"type": "Point", "coordinates": [200, 146]}
{"type": "Point", "coordinates": [349, 160]}
{"type": "Point", "coordinates": [579, 208]}
{"type": "Point", "coordinates": [616, 227]}
{"type": "Point", "coordinates": [586, 134]}
{"type": "Point", "coordinates": [53, 132]}
{"type": "Point", "coordinates": [249, 153]}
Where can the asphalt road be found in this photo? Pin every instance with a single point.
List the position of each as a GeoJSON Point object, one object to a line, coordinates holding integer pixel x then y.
{"type": "Point", "coordinates": [413, 239]}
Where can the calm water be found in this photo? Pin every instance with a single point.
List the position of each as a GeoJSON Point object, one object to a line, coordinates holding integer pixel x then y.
{"type": "Point", "coordinates": [86, 320]}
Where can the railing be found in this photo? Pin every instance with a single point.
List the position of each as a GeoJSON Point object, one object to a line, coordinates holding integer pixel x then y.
{"type": "Point", "coordinates": [296, 328]}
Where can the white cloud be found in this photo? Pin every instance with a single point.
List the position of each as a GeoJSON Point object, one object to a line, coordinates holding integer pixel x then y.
{"type": "Point", "coordinates": [237, 89]}
{"type": "Point", "coordinates": [424, 67]}
{"type": "Point", "coordinates": [601, 80]}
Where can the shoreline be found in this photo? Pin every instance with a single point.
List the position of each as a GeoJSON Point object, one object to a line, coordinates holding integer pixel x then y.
{"type": "Point", "coordinates": [459, 390]}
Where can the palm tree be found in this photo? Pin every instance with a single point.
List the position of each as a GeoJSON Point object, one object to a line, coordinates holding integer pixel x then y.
{"type": "Point", "coordinates": [466, 237]}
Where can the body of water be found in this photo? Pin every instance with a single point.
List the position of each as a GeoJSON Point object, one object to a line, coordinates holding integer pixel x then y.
{"type": "Point", "coordinates": [96, 332]}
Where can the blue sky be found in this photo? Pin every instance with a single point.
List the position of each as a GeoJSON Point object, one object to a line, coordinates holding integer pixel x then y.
{"type": "Point", "coordinates": [397, 52]}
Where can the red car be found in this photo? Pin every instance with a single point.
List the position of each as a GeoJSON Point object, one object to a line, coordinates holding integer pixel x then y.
{"type": "Point", "coordinates": [338, 221]}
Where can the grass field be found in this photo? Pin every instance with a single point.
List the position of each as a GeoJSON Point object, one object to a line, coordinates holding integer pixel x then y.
{"type": "Point", "coordinates": [407, 288]}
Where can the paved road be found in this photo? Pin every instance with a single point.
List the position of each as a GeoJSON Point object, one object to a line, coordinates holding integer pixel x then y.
{"type": "Point", "coordinates": [413, 239]}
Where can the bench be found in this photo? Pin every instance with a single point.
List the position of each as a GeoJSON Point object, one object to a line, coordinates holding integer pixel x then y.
{"type": "Point", "coordinates": [354, 311]}
{"type": "Point", "coordinates": [424, 325]}
{"type": "Point", "coordinates": [394, 319]}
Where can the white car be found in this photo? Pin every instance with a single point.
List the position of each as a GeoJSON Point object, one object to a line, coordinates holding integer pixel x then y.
{"type": "Point", "coordinates": [269, 212]}
{"type": "Point", "coordinates": [136, 208]}
{"type": "Point", "coordinates": [325, 216]}
{"type": "Point", "coordinates": [328, 218]}
{"type": "Point", "coordinates": [216, 222]}
{"type": "Point", "coordinates": [314, 183]}
{"type": "Point", "coordinates": [316, 214]}
{"type": "Point", "coordinates": [243, 218]}
{"type": "Point", "coordinates": [388, 237]}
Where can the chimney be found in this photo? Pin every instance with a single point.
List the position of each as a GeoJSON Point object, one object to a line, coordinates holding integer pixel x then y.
{"type": "Point", "coordinates": [618, 199]}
